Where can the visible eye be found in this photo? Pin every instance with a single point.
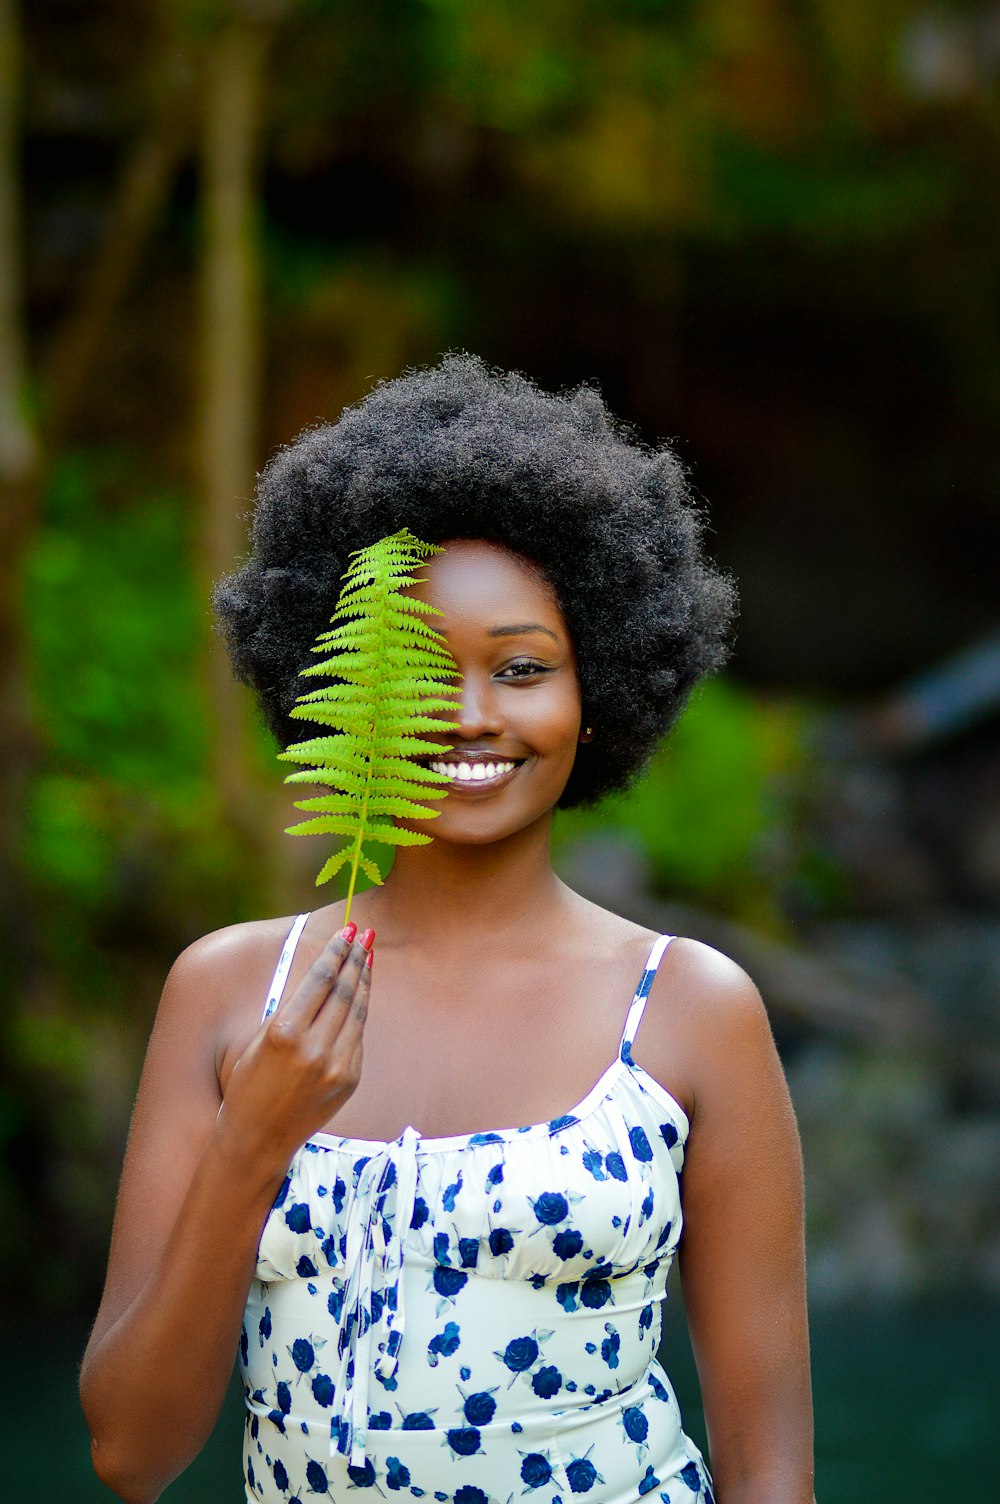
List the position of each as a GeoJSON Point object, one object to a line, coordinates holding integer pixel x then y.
{"type": "Point", "coordinates": [522, 668]}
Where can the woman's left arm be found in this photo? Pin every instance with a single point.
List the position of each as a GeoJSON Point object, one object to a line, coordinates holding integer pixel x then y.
{"type": "Point", "coordinates": [742, 1255]}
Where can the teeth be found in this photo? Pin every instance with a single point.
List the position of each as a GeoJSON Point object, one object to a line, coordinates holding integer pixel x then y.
{"type": "Point", "coordinates": [476, 772]}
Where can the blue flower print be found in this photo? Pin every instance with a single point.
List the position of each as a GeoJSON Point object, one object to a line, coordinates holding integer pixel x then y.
{"type": "Point", "coordinates": [305, 1268]}
{"type": "Point", "coordinates": [566, 1295]}
{"type": "Point", "coordinates": [397, 1475]}
{"type": "Point", "coordinates": [547, 1382]}
{"type": "Point", "coordinates": [298, 1218]}
{"type": "Point", "coordinates": [464, 1373]}
{"type": "Point", "coordinates": [536, 1470]}
{"type": "Point", "coordinates": [635, 1423]}
{"type": "Point", "coordinates": [470, 1495]}
{"type": "Point", "coordinates": [418, 1420]}
{"type": "Point", "coordinates": [648, 1481]}
{"type": "Point", "coordinates": [616, 1166]}
{"type": "Point", "coordinates": [592, 1161]}
{"type": "Point", "coordinates": [550, 1207]}
{"type": "Point", "coordinates": [303, 1354]}
{"type": "Point", "coordinates": [364, 1476]}
{"type": "Point", "coordinates": [441, 1253]}
{"type": "Point", "coordinates": [664, 1235]}
{"type": "Point", "coordinates": [611, 1345]}
{"type": "Point", "coordinates": [444, 1344]}
{"type": "Point", "coordinates": [520, 1353]}
{"type": "Point", "coordinates": [284, 1397]}
{"type": "Point", "coordinates": [645, 1318]}
{"type": "Point", "coordinates": [567, 1243]}
{"type": "Point", "coordinates": [640, 1144]}
{"type": "Point", "coordinates": [691, 1476]}
{"type": "Point", "coordinates": [582, 1475]}
{"type": "Point", "coordinates": [265, 1325]}
{"type": "Point", "coordinates": [244, 1346]}
{"type": "Point", "coordinates": [464, 1440]}
{"type": "Point", "coordinates": [282, 1195]}
{"type": "Point", "coordinates": [448, 1199]}
{"type": "Point", "coordinates": [494, 1176]}
{"type": "Point", "coordinates": [562, 1122]}
{"type": "Point", "coordinates": [322, 1388]}
{"type": "Point", "coordinates": [280, 1475]}
{"type": "Point", "coordinates": [420, 1212]}
{"type": "Point", "coordinates": [316, 1478]}
{"type": "Point", "coordinates": [329, 1247]}
{"type": "Point", "coordinates": [468, 1252]}
{"type": "Point", "coordinates": [480, 1408]}
{"type": "Point", "coordinates": [448, 1282]}
{"type": "Point", "coordinates": [500, 1241]}
{"type": "Point", "coordinates": [595, 1293]}
{"type": "Point", "coordinates": [657, 1388]}
{"type": "Point", "coordinates": [380, 1420]}
{"type": "Point", "coordinates": [668, 1133]}
{"type": "Point", "coordinates": [335, 1302]}
{"type": "Point", "coordinates": [646, 1210]}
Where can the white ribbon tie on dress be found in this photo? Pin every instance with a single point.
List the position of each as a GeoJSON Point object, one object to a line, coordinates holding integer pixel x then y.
{"type": "Point", "coordinates": [377, 1225]}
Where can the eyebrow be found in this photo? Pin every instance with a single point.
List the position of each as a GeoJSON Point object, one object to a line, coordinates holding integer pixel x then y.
{"type": "Point", "coordinates": [521, 630]}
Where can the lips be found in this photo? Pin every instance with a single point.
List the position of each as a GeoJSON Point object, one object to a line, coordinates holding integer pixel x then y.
{"type": "Point", "coordinates": [474, 770]}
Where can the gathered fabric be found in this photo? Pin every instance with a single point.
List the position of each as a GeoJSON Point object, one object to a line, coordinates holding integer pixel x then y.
{"type": "Point", "coordinates": [474, 1318]}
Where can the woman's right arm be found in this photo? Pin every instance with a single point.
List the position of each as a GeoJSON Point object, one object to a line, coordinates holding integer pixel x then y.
{"type": "Point", "coordinates": [200, 1176]}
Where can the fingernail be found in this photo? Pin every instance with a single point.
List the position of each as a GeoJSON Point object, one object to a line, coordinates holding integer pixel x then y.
{"type": "Point", "coordinates": [371, 957]}
{"type": "Point", "coordinates": [365, 938]}
{"type": "Point", "coordinates": [348, 932]}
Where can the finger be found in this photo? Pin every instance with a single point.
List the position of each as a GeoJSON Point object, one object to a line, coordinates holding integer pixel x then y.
{"type": "Point", "coordinates": [342, 1017]}
{"type": "Point", "coordinates": [300, 1008]}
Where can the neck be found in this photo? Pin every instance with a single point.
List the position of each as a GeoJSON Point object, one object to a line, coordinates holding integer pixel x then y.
{"type": "Point", "coordinates": [496, 891]}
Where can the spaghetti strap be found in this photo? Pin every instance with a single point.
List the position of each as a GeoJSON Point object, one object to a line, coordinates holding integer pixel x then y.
{"type": "Point", "coordinates": [641, 994]}
{"type": "Point", "coordinates": [283, 967]}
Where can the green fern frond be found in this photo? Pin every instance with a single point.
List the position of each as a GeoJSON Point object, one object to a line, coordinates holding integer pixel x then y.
{"type": "Point", "coordinates": [392, 680]}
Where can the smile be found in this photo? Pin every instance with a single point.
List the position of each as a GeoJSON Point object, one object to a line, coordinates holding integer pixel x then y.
{"type": "Point", "coordinates": [475, 775]}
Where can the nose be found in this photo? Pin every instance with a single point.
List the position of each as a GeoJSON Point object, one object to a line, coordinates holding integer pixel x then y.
{"type": "Point", "coordinates": [478, 714]}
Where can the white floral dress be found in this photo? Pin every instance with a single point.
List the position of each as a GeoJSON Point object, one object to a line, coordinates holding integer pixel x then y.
{"type": "Point", "coordinates": [474, 1319]}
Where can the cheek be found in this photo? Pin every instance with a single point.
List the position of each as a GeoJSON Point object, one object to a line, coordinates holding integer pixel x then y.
{"type": "Point", "coordinates": [558, 723]}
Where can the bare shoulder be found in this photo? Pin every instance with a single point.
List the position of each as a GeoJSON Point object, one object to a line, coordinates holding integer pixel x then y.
{"type": "Point", "coordinates": [712, 991]}
{"type": "Point", "coordinates": [705, 1029]}
{"type": "Point", "coordinates": [223, 972]}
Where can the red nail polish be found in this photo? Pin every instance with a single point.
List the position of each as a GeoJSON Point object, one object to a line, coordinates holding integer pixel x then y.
{"type": "Point", "coordinates": [365, 938]}
{"type": "Point", "coordinates": [348, 932]}
{"type": "Point", "coordinates": [371, 957]}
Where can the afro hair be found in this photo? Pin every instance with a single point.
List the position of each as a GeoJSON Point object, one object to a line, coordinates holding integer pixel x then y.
{"type": "Point", "coordinates": [458, 450]}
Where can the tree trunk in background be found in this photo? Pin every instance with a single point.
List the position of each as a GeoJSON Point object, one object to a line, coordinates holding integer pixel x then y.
{"type": "Point", "coordinates": [230, 367]}
{"type": "Point", "coordinates": [18, 490]}
{"type": "Point", "coordinates": [146, 179]}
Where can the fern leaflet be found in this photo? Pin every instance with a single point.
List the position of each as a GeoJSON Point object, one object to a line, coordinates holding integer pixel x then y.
{"type": "Point", "coordinates": [393, 681]}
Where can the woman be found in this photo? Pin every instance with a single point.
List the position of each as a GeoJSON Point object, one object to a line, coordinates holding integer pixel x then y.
{"type": "Point", "coordinates": [424, 1302]}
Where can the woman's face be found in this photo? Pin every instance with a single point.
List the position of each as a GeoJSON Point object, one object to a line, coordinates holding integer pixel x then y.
{"type": "Point", "coordinates": [519, 720]}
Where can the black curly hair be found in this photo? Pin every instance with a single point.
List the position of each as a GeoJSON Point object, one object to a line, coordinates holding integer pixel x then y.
{"type": "Point", "coordinates": [458, 450]}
